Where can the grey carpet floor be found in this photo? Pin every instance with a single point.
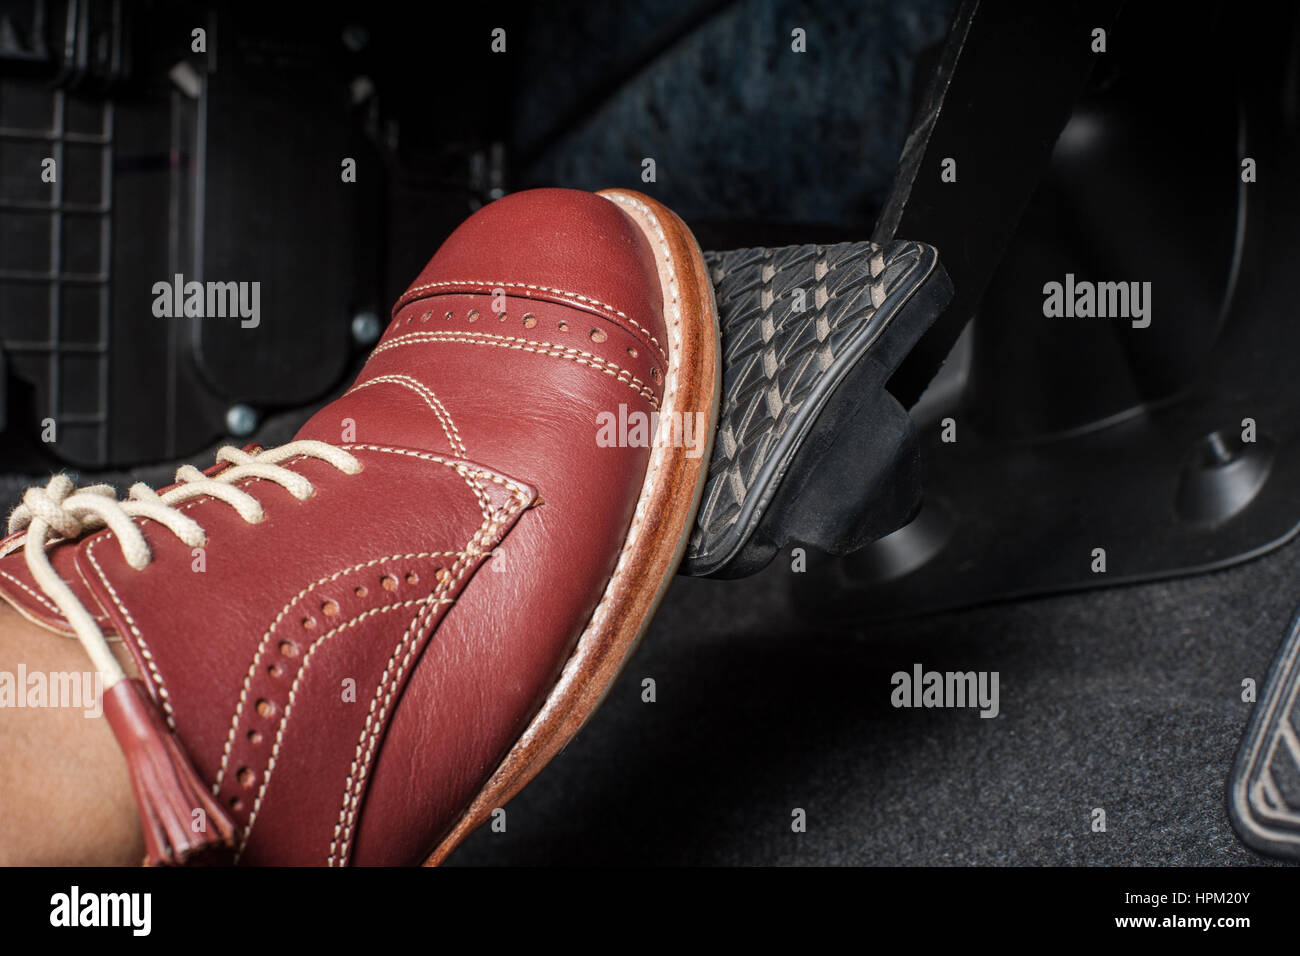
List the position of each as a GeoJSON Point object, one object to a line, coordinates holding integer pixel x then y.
{"type": "Point", "coordinates": [1126, 700]}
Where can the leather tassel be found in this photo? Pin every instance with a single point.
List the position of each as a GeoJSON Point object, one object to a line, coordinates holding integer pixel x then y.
{"type": "Point", "coordinates": [168, 791]}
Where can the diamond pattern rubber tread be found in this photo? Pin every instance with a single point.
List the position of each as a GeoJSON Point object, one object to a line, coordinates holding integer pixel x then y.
{"type": "Point", "coordinates": [794, 321]}
{"type": "Point", "coordinates": [1264, 789]}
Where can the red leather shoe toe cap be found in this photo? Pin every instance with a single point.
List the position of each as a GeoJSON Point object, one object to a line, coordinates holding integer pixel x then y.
{"type": "Point", "coordinates": [558, 245]}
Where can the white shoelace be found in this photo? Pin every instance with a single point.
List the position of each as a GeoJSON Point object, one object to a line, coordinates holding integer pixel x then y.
{"type": "Point", "coordinates": [60, 511]}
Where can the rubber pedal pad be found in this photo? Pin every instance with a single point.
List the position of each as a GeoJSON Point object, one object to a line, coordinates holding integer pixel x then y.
{"type": "Point", "coordinates": [1264, 786]}
{"type": "Point", "coordinates": [810, 446]}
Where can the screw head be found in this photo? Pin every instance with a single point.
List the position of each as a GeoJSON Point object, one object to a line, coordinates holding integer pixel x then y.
{"type": "Point", "coordinates": [366, 328]}
{"type": "Point", "coordinates": [241, 420]}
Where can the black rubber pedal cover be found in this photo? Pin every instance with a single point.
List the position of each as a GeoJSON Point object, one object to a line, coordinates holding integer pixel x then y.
{"type": "Point", "coordinates": [810, 446]}
{"type": "Point", "coordinates": [1264, 788]}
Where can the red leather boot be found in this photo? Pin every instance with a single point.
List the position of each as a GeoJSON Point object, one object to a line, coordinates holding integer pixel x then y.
{"type": "Point", "coordinates": [400, 616]}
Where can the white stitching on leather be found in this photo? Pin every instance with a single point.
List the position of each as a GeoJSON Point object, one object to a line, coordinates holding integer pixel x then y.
{"type": "Point", "coordinates": [266, 638]}
{"type": "Point", "coordinates": [632, 543]}
{"type": "Point", "coordinates": [91, 591]}
{"type": "Point", "coordinates": [665, 420]}
{"type": "Point", "coordinates": [526, 345]}
{"type": "Point", "coordinates": [484, 509]}
{"type": "Point", "coordinates": [140, 641]}
{"type": "Point", "coordinates": [375, 724]}
{"type": "Point", "coordinates": [449, 428]}
{"type": "Point", "coordinates": [163, 696]}
{"type": "Point", "coordinates": [411, 295]}
{"type": "Point", "coordinates": [467, 474]}
{"type": "Point", "coordinates": [102, 618]}
{"type": "Point", "coordinates": [517, 491]}
{"type": "Point", "coordinates": [288, 707]}
{"type": "Point", "coordinates": [35, 594]}
{"type": "Point", "coordinates": [444, 418]}
{"type": "Point", "coordinates": [465, 471]}
{"type": "Point", "coordinates": [434, 601]}
{"type": "Point", "coordinates": [370, 731]}
{"type": "Point", "coordinates": [361, 762]}
{"type": "Point", "coordinates": [62, 511]}
{"type": "Point", "coordinates": [659, 452]}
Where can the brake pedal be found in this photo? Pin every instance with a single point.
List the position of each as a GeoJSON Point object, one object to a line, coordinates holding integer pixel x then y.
{"type": "Point", "coordinates": [1264, 787]}
{"type": "Point", "coordinates": [810, 446]}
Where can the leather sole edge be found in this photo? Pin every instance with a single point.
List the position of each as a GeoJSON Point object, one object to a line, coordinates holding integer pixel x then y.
{"type": "Point", "coordinates": [661, 526]}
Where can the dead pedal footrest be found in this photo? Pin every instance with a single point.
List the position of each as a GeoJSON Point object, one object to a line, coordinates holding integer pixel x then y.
{"type": "Point", "coordinates": [810, 446]}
